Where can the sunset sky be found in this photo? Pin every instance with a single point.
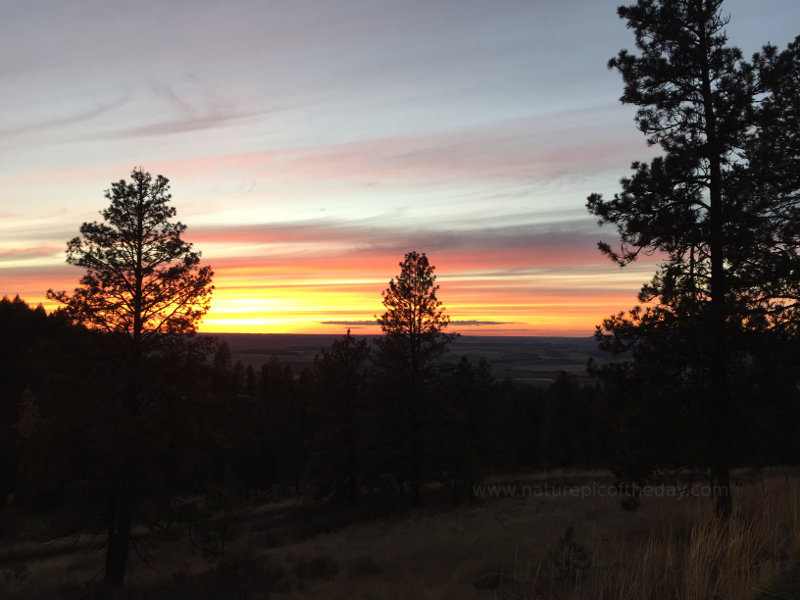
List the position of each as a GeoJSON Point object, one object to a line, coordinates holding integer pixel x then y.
{"type": "Point", "coordinates": [311, 144]}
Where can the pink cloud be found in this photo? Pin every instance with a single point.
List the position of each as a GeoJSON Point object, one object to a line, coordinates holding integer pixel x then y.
{"type": "Point", "coordinates": [519, 150]}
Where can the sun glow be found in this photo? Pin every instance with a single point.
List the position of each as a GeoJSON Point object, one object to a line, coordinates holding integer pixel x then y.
{"type": "Point", "coordinates": [309, 278]}
{"type": "Point", "coordinates": [332, 294]}
{"type": "Point", "coordinates": [310, 302]}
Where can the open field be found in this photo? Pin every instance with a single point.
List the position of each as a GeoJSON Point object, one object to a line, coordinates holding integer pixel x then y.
{"type": "Point", "coordinates": [535, 360]}
{"type": "Point", "coordinates": [554, 535]}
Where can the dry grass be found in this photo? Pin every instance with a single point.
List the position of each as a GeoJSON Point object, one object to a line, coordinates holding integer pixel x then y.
{"type": "Point", "coordinates": [683, 552]}
{"type": "Point", "coordinates": [517, 548]}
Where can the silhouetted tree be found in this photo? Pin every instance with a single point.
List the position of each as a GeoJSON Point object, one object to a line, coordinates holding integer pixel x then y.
{"type": "Point", "coordinates": [414, 336]}
{"type": "Point", "coordinates": [414, 323]}
{"type": "Point", "coordinates": [142, 280]}
{"type": "Point", "coordinates": [249, 427]}
{"type": "Point", "coordinates": [341, 416]}
{"type": "Point", "coordinates": [65, 425]}
{"type": "Point", "coordinates": [466, 426]}
{"type": "Point", "coordinates": [523, 410]}
{"type": "Point", "coordinates": [567, 437]}
{"type": "Point", "coordinates": [730, 267]}
{"type": "Point", "coordinates": [143, 284]}
{"type": "Point", "coordinates": [22, 329]}
{"type": "Point", "coordinates": [282, 430]}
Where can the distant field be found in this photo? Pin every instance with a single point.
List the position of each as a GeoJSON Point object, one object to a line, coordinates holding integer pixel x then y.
{"type": "Point", "coordinates": [536, 360]}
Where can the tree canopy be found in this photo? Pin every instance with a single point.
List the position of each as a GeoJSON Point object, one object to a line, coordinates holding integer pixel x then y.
{"type": "Point", "coordinates": [414, 322]}
{"type": "Point", "coordinates": [141, 278]}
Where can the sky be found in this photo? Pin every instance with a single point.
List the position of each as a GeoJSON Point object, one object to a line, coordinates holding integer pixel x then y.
{"type": "Point", "coordinates": [311, 144]}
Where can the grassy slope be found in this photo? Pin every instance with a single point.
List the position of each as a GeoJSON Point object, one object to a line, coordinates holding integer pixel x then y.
{"type": "Point", "coordinates": [670, 548]}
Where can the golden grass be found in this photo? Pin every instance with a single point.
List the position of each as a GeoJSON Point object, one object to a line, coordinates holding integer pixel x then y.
{"type": "Point", "coordinates": [671, 548]}
{"type": "Point", "coordinates": [686, 553]}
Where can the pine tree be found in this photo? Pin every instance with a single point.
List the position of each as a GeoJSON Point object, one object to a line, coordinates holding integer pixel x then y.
{"type": "Point", "coordinates": [143, 284]}
{"type": "Point", "coordinates": [698, 206]}
{"type": "Point", "coordinates": [414, 323]}
{"type": "Point", "coordinates": [342, 413]}
{"type": "Point", "coordinates": [414, 336]}
{"type": "Point", "coordinates": [142, 280]}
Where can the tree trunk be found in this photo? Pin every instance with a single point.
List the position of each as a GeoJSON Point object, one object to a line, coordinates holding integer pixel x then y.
{"type": "Point", "coordinates": [120, 504]}
{"type": "Point", "coordinates": [718, 421]}
{"type": "Point", "coordinates": [119, 537]}
{"type": "Point", "coordinates": [416, 434]}
{"type": "Point", "coordinates": [719, 418]}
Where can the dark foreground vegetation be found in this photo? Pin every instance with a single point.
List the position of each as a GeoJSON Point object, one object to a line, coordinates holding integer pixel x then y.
{"type": "Point", "coordinates": [243, 476]}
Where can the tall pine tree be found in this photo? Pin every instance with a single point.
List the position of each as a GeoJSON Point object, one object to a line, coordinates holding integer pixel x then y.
{"type": "Point", "coordinates": [696, 206]}
{"type": "Point", "coordinates": [413, 326]}
{"type": "Point", "coordinates": [142, 285]}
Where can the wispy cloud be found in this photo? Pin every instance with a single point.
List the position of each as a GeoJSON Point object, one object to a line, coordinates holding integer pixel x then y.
{"type": "Point", "coordinates": [349, 323]}
{"type": "Point", "coordinates": [27, 253]}
{"type": "Point", "coordinates": [55, 123]}
{"type": "Point", "coordinates": [476, 323]}
{"type": "Point", "coordinates": [168, 93]}
{"type": "Point", "coordinates": [458, 323]}
{"type": "Point", "coordinates": [512, 246]}
{"type": "Point", "coordinates": [179, 124]}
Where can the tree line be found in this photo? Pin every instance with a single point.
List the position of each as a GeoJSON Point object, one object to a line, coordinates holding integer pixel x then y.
{"type": "Point", "coordinates": [345, 430]}
{"type": "Point", "coordinates": [339, 430]}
